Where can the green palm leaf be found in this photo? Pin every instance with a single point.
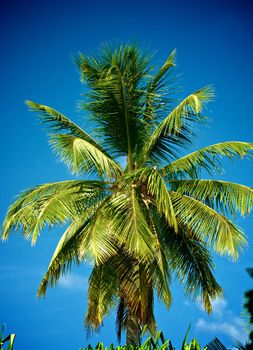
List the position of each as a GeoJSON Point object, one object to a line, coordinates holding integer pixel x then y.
{"type": "Point", "coordinates": [225, 196]}
{"type": "Point", "coordinates": [160, 264]}
{"type": "Point", "coordinates": [65, 255]}
{"type": "Point", "coordinates": [209, 226]}
{"type": "Point", "coordinates": [103, 287]}
{"type": "Point", "coordinates": [135, 280]}
{"type": "Point", "coordinates": [156, 187]}
{"type": "Point", "coordinates": [170, 62]}
{"type": "Point", "coordinates": [50, 204]}
{"type": "Point", "coordinates": [57, 122]}
{"type": "Point", "coordinates": [193, 265]}
{"type": "Point", "coordinates": [98, 243]}
{"type": "Point", "coordinates": [176, 127]}
{"type": "Point", "coordinates": [82, 157]}
{"type": "Point", "coordinates": [153, 98]}
{"type": "Point", "coordinates": [130, 226]}
{"type": "Point", "coordinates": [115, 101]}
{"type": "Point", "coordinates": [207, 158]}
{"type": "Point", "coordinates": [93, 153]}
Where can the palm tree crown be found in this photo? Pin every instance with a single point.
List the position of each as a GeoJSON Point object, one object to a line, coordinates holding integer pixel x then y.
{"type": "Point", "coordinates": [143, 213]}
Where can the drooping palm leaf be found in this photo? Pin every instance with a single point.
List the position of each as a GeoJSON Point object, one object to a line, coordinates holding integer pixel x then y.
{"type": "Point", "coordinates": [136, 281]}
{"type": "Point", "coordinates": [156, 187]}
{"type": "Point", "coordinates": [51, 204]}
{"type": "Point", "coordinates": [193, 265]}
{"type": "Point", "coordinates": [98, 243]}
{"type": "Point", "coordinates": [208, 158]}
{"type": "Point", "coordinates": [93, 153]}
{"type": "Point", "coordinates": [82, 157]}
{"type": "Point", "coordinates": [160, 264]}
{"type": "Point", "coordinates": [65, 255]}
{"type": "Point", "coordinates": [130, 225]}
{"type": "Point", "coordinates": [103, 287]}
{"type": "Point", "coordinates": [209, 226]}
{"type": "Point", "coordinates": [224, 196]}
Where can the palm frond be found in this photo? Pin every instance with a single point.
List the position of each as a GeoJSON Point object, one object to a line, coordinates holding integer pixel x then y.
{"type": "Point", "coordinates": [135, 280]}
{"type": "Point", "coordinates": [225, 196]}
{"type": "Point", "coordinates": [98, 242]}
{"type": "Point", "coordinates": [50, 204]}
{"type": "Point", "coordinates": [129, 224]}
{"type": "Point", "coordinates": [156, 187]}
{"type": "Point", "coordinates": [67, 251]}
{"type": "Point", "coordinates": [103, 287]}
{"type": "Point", "coordinates": [215, 344]}
{"type": "Point", "coordinates": [160, 265]}
{"type": "Point", "coordinates": [92, 151]}
{"type": "Point", "coordinates": [154, 98]}
{"type": "Point", "coordinates": [82, 157]}
{"type": "Point", "coordinates": [115, 103]}
{"type": "Point", "coordinates": [193, 265]}
{"type": "Point", "coordinates": [65, 255]}
{"type": "Point", "coordinates": [207, 158]}
{"type": "Point", "coordinates": [59, 123]}
{"type": "Point", "coordinates": [209, 226]}
{"type": "Point", "coordinates": [176, 128]}
{"type": "Point", "coordinates": [121, 318]}
{"type": "Point", "coordinates": [170, 62]}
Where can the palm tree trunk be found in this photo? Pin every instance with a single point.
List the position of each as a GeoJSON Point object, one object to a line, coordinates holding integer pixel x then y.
{"type": "Point", "coordinates": [133, 332]}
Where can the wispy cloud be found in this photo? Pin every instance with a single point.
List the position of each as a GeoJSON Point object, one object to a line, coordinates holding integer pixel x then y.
{"type": "Point", "coordinates": [223, 321]}
{"type": "Point", "coordinates": [74, 282]}
{"type": "Point", "coordinates": [233, 329]}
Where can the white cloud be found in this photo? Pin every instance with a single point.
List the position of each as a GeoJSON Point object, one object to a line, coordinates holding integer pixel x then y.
{"type": "Point", "coordinates": [74, 282]}
{"type": "Point", "coordinates": [223, 321]}
{"type": "Point", "coordinates": [219, 307]}
{"type": "Point", "coordinates": [231, 329]}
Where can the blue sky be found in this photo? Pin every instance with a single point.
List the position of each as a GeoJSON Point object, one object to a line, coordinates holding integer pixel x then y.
{"type": "Point", "coordinates": [38, 40]}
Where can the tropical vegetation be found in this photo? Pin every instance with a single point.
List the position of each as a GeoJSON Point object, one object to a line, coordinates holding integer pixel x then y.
{"type": "Point", "coordinates": [139, 210]}
{"type": "Point", "coordinates": [9, 339]}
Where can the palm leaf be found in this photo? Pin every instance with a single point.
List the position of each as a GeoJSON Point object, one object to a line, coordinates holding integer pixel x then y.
{"type": "Point", "coordinates": [215, 344]}
{"type": "Point", "coordinates": [207, 158]}
{"type": "Point", "coordinates": [208, 225]}
{"type": "Point", "coordinates": [225, 196]}
{"type": "Point", "coordinates": [193, 265]}
{"type": "Point", "coordinates": [176, 127]}
{"type": "Point", "coordinates": [67, 251]}
{"type": "Point", "coordinates": [160, 265]}
{"type": "Point", "coordinates": [135, 281]}
{"type": "Point", "coordinates": [65, 255]}
{"type": "Point", "coordinates": [103, 287]}
{"type": "Point", "coordinates": [50, 204]}
{"type": "Point", "coordinates": [58, 123]}
{"type": "Point", "coordinates": [115, 102]}
{"type": "Point", "coordinates": [170, 62]}
{"type": "Point", "coordinates": [154, 98]}
{"type": "Point", "coordinates": [158, 190]}
{"type": "Point", "coordinates": [129, 224]}
{"type": "Point", "coordinates": [82, 157]}
{"type": "Point", "coordinates": [98, 242]}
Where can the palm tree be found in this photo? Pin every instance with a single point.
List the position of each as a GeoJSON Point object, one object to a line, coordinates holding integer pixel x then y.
{"type": "Point", "coordinates": [143, 213]}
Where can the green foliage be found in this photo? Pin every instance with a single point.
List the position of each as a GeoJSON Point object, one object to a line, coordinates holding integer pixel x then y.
{"type": "Point", "coordinates": [139, 211]}
{"type": "Point", "coordinates": [9, 338]}
{"type": "Point", "coordinates": [157, 342]}
{"type": "Point", "coordinates": [248, 307]}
